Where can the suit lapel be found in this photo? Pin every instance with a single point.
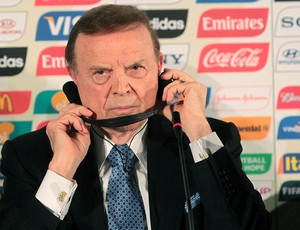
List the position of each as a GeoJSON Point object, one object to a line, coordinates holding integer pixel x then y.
{"type": "Point", "coordinates": [88, 199]}
{"type": "Point", "coordinates": [166, 192]}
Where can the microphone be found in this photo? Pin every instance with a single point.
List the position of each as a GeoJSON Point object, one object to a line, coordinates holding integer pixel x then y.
{"type": "Point", "coordinates": [177, 126]}
{"type": "Point", "coordinates": [71, 91]}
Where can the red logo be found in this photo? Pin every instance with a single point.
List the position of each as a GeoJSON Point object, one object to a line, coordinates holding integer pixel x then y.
{"type": "Point", "coordinates": [42, 124]}
{"type": "Point", "coordinates": [52, 62]}
{"type": "Point", "coordinates": [64, 2]}
{"type": "Point", "coordinates": [232, 22]}
{"type": "Point", "coordinates": [233, 57]}
{"type": "Point", "coordinates": [289, 98]}
{"type": "Point", "coordinates": [7, 23]}
{"type": "Point", "coordinates": [14, 102]}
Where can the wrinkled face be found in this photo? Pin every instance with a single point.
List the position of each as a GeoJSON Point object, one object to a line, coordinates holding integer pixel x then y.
{"type": "Point", "coordinates": [117, 73]}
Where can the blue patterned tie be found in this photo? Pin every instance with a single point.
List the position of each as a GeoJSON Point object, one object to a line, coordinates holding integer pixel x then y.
{"type": "Point", "coordinates": [125, 206]}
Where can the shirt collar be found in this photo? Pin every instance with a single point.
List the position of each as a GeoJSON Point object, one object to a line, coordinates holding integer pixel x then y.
{"type": "Point", "coordinates": [137, 143]}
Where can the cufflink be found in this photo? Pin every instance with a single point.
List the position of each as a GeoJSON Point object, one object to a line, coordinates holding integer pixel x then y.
{"type": "Point", "coordinates": [205, 154]}
{"type": "Point", "coordinates": [207, 150]}
{"type": "Point", "coordinates": [62, 196]}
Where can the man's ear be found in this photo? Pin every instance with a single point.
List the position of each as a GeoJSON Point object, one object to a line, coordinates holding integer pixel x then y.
{"type": "Point", "coordinates": [160, 62]}
{"type": "Point", "coordinates": [72, 73]}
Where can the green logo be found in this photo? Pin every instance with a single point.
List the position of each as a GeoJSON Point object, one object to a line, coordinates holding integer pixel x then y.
{"type": "Point", "coordinates": [256, 163]}
{"type": "Point", "coordinates": [12, 129]}
{"type": "Point", "coordinates": [43, 103]}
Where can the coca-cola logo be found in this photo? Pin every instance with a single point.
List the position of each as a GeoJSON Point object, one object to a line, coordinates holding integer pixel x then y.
{"type": "Point", "coordinates": [233, 57]}
{"type": "Point", "coordinates": [7, 23]}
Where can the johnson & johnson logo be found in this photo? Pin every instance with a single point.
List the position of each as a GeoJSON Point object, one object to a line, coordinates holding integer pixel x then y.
{"type": "Point", "coordinates": [233, 57]}
{"type": "Point", "coordinates": [242, 98]}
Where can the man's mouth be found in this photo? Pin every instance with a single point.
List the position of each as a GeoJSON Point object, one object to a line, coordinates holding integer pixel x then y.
{"type": "Point", "coordinates": [123, 110]}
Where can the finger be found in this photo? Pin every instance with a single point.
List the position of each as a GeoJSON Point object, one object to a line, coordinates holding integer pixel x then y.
{"type": "Point", "coordinates": [176, 75]}
{"type": "Point", "coordinates": [72, 121]}
{"type": "Point", "coordinates": [68, 122]}
{"type": "Point", "coordinates": [79, 110]}
{"type": "Point", "coordinates": [174, 92]}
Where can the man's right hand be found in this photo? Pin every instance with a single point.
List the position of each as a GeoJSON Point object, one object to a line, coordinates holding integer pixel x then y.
{"type": "Point", "coordinates": [69, 147]}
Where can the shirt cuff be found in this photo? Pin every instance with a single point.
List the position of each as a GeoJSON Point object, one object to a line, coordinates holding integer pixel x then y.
{"type": "Point", "coordinates": [55, 193]}
{"type": "Point", "coordinates": [204, 146]}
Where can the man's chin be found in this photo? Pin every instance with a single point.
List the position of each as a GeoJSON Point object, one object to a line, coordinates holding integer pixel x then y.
{"type": "Point", "coordinates": [122, 114]}
{"type": "Point", "coordinates": [126, 128]}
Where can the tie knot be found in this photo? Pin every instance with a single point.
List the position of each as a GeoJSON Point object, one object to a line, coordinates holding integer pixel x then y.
{"type": "Point", "coordinates": [123, 156]}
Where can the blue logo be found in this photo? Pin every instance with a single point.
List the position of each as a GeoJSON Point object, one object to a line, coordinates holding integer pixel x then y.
{"type": "Point", "coordinates": [291, 163]}
{"type": "Point", "coordinates": [289, 128]}
{"type": "Point", "coordinates": [56, 25]}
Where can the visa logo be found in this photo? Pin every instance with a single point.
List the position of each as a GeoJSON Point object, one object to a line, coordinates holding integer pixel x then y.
{"type": "Point", "coordinates": [289, 128]}
{"type": "Point", "coordinates": [56, 25]}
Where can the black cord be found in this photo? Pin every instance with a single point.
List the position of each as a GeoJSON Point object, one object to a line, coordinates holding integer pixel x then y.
{"type": "Point", "coordinates": [99, 134]}
{"type": "Point", "coordinates": [102, 137]}
{"type": "Point", "coordinates": [178, 133]}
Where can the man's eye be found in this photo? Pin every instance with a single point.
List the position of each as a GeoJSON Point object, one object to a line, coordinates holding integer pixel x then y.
{"type": "Point", "coordinates": [101, 72]}
{"type": "Point", "coordinates": [136, 67]}
{"type": "Point", "coordinates": [137, 71]}
{"type": "Point", "coordinates": [100, 76]}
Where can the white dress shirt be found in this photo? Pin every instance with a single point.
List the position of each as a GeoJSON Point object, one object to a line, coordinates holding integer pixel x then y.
{"type": "Point", "coordinates": [56, 192]}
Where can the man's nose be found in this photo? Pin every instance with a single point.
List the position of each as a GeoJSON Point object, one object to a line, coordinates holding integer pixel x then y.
{"type": "Point", "coordinates": [121, 84]}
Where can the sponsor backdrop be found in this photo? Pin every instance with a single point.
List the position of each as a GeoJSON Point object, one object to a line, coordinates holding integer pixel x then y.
{"type": "Point", "coordinates": [247, 52]}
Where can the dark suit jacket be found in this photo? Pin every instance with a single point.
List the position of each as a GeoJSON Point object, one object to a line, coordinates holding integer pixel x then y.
{"type": "Point", "coordinates": [228, 200]}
